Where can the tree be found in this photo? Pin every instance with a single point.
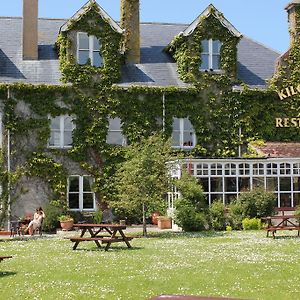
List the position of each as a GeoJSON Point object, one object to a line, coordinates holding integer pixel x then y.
{"type": "Point", "coordinates": [142, 180]}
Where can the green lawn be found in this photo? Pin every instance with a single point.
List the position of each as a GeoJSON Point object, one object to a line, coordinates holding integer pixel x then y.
{"type": "Point", "coordinates": [238, 264]}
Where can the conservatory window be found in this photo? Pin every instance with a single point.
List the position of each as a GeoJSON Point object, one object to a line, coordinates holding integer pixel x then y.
{"type": "Point", "coordinates": [210, 56]}
{"type": "Point", "coordinates": [115, 135]}
{"type": "Point", "coordinates": [80, 194]}
{"type": "Point", "coordinates": [61, 131]}
{"type": "Point", "coordinates": [88, 49]}
{"type": "Point", "coordinates": [183, 135]}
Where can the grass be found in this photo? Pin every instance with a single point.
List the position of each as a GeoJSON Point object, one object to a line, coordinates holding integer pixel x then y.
{"type": "Point", "coordinates": [244, 265]}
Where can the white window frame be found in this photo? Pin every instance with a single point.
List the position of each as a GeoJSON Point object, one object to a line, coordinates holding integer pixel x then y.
{"type": "Point", "coordinates": [181, 135]}
{"type": "Point", "coordinates": [90, 49]}
{"type": "Point", "coordinates": [61, 132]}
{"type": "Point", "coordinates": [211, 55]}
{"type": "Point", "coordinates": [81, 192]}
{"type": "Point", "coordinates": [124, 139]}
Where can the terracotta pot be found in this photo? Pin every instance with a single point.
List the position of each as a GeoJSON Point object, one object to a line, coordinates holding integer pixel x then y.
{"type": "Point", "coordinates": [164, 223]}
{"type": "Point", "coordinates": [66, 225]}
{"type": "Point", "coordinates": [154, 217]}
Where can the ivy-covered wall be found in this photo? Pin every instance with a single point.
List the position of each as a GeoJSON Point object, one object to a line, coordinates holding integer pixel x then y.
{"type": "Point", "coordinates": [216, 112]}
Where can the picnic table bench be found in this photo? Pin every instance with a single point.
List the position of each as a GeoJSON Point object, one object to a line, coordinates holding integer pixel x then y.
{"type": "Point", "coordinates": [104, 233]}
{"type": "Point", "coordinates": [285, 222]}
{"type": "Point", "coordinates": [4, 257]}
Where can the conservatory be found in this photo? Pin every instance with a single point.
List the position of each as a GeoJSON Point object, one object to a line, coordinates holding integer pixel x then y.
{"type": "Point", "coordinates": [225, 179]}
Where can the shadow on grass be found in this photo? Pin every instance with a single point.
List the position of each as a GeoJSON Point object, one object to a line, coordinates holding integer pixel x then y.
{"type": "Point", "coordinates": [286, 237]}
{"type": "Point", "coordinates": [200, 234]}
{"type": "Point", "coordinates": [115, 249]}
{"type": "Point", "coordinates": [4, 274]}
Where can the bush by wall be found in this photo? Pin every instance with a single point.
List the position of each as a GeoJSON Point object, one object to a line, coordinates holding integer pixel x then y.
{"type": "Point", "coordinates": [217, 216]}
{"type": "Point", "coordinates": [251, 224]}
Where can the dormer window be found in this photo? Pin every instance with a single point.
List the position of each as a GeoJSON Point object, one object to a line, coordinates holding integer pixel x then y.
{"type": "Point", "coordinates": [210, 56]}
{"type": "Point", "coordinates": [88, 49]}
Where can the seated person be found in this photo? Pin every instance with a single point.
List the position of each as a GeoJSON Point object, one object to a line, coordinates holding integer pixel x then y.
{"type": "Point", "coordinates": [38, 217]}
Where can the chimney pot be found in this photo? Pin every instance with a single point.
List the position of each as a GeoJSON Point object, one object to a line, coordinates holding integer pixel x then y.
{"type": "Point", "coordinates": [294, 20]}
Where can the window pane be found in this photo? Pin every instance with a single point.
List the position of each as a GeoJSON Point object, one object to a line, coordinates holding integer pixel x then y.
{"type": "Point", "coordinates": [74, 201]}
{"type": "Point", "coordinates": [204, 184]}
{"type": "Point", "coordinates": [272, 184]}
{"type": "Point", "coordinates": [96, 44]}
{"type": "Point", "coordinates": [87, 183]}
{"type": "Point", "coordinates": [54, 138]}
{"type": "Point", "coordinates": [296, 199]}
{"type": "Point", "coordinates": [285, 184]}
{"type": "Point", "coordinates": [68, 138]}
{"type": "Point", "coordinates": [176, 138]}
{"type": "Point", "coordinates": [115, 138]}
{"type": "Point", "coordinates": [296, 183]}
{"type": "Point", "coordinates": [285, 200]}
{"type": "Point", "coordinates": [230, 184]}
{"type": "Point", "coordinates": [88, 201]}
{"type": "Point", "coordinates": [83, 57]}
{"type": "Point", "coordinates": [74, 184]}
{"type": "Point", "coordinates": [188, 139]}
{"type": "Point", "coordinates": [83, 41]}
{"type": "Point", "coordinates": [114, 124]}
{"type": "Point", "coordinates": [187, 125]}
{"type": "Point", "coordinates": [216, 62]}
{"type": "Point", "coordinates": [244, 184]}
{"type": "Point", "coordinates": [204, 62]}
{"type": "Point", "coordinates": [68, 123]}
{"type": "Point", "coordinates": [216, 185]}
{"type": "Point", "coordinates": [204, 45]}
{"type": "Point", "coordinates": [55, 123]}
{"type": "Point", "coordinates": [176, 124]}
{"type": "Point", "coordinates": [216, 46]}
{"type": "Point", "coordinates": [259, 182]}
{"type": "Point", "coordinates": [97, 59]}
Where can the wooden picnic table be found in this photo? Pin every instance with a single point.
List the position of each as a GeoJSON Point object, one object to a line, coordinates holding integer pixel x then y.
{"type": "Point", "coordinates": [284, 222]}
{"type": "Point", "coordinates": [104, 233]}
{"type": "Point", "coordinates": [4, 257]}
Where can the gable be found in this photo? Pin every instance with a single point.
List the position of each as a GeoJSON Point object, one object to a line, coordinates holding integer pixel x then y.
{"type": "Point", "coordinates": [91, 4]}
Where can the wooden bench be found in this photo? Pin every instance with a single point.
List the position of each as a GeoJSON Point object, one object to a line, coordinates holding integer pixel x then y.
{"type": "Point", "coordinates": [102, 239]}
{"type": "Point", "coordinates": [4, 257]}
{"type": "Point", "coordinates": [274, 229]}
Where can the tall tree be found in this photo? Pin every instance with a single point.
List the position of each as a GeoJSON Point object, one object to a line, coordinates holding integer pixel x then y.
{"type": "Point", "coordinates": [143, 179]}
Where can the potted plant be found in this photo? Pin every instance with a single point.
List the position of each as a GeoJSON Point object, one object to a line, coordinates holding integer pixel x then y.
{"type": "Point", "coordinates": [66, 222]}
{"type": "Point", "coordinates": [164, 222]}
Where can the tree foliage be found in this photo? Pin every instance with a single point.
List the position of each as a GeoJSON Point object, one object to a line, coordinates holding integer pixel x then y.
{"type": "Point", "coordinates": [142, 180]}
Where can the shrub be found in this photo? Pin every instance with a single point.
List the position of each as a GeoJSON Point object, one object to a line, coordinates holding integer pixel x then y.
{"type": "Point", "coordinates": [51, 221]}
{"type": "Point", "coordinates": [188, 218]}
{"type": "Point", "coordinates": [217, 216]}
{"type": "Point", "coordinates": [257, 203]}
{"type": "Point", "coordinates": [97, 216]}
{"type": "Point", "coordinates": [251, 224]}
{"type": "Point", "coordinates": [235, 215]}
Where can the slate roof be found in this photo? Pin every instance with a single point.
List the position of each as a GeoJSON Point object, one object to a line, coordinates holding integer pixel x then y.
{"type": "Point", "coordinates": [256, 63]}
{"type": "Point", "coordinates": [278, 149]}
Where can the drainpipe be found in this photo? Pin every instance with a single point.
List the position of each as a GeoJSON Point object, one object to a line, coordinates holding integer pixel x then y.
{"type": "Point", "coordinates": [8, 171]}
{"type": "Point", "coordinates": [164, 113]}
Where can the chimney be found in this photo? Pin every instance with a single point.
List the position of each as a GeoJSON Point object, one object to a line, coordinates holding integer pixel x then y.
{"type": "Point", "coordinates": [30, 29]}
{"type": "Point", "coordinates": [293, 10]}
{"type": "Point", "coordinates": [130, 21]}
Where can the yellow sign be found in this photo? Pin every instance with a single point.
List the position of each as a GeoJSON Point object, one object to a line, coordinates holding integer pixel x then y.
{"type": "Point", "coordinates": [289, 92]}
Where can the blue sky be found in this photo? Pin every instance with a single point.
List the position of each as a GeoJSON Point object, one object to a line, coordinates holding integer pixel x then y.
{"type": "Point", "coordinates": [262, 20]}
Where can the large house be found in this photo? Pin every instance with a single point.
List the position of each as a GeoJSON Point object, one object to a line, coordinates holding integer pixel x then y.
{"type": "Point", "coordinates": [74, 92]}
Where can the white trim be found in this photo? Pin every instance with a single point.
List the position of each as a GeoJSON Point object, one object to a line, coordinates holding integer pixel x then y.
{"type": "Point", "coordinates": [181, 134]}
{"type": "Point", "coordinates": [91, 48]}
{"type": "Point", "coordinates": [84, 9]}
{"type": "Point", "coordinates": [211, 10]}
{"type": "Point", "coordinates": [81, 192]}
{"type": "Point", "coordinates": [61, 131]}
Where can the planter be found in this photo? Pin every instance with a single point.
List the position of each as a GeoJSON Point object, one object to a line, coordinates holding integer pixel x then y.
{"type": "Point", "coordinates": [66, 225]}
{"type": "Point", "coordinates": [154, 217]}
{"type": "Point", "coordinates": [164, 223]}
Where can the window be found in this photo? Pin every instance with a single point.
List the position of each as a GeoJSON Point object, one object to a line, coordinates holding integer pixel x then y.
{"type": "Point", "coordinates": [80, 194]}
{"type": "Point", "coordinates": [210, 56]}
{"type": "Point", "coordinates": [114, 134]}
{"type": "Point", "coordinates": [88, 49]}
{"type": "Point", "coordinates": [61, 128]}
{"type": "Point", "coordinates": [183, 134]}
